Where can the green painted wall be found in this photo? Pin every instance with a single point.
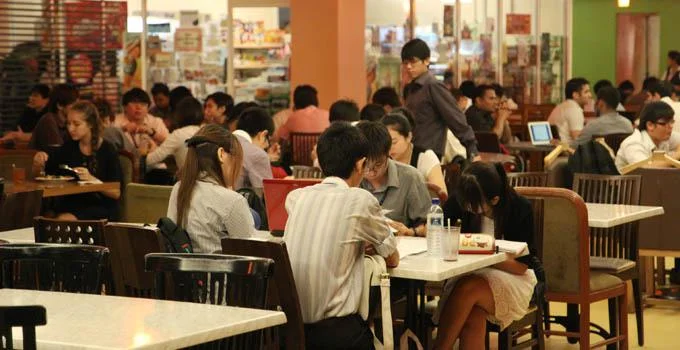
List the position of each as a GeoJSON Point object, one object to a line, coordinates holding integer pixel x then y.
{"type": "Point", "coordinates": [594, 46]}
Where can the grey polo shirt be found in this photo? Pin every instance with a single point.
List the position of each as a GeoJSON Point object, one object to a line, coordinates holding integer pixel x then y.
{"type": "Point", "coordinates": [404, 194]}
{"type": "Point", "coordinates": [610, 123]}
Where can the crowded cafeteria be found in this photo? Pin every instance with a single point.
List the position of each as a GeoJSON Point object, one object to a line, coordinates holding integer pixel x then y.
{"type": "Point", "coordinates": [339, 174]}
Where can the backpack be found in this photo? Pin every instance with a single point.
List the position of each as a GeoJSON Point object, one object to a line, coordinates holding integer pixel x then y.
{"type": "Point", "coordinates": [591, 158]}
{"type": "Point", "coordinates": [176, 239]}
{"type": "Point", "coordinates": [256, 204]}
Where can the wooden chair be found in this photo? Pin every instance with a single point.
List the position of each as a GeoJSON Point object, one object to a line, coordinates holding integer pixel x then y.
{"type": "Point", "coordinates": [17, 210]}
{"type": "Point", "coordinates": [128, 245]}
{"type": "Point", "coordinates": [566, 264]}
{"type": "Point", "coordinates": [301, 145]}
{"type": "Point", "coordinates": [533, 113]}
{"type": "Point", "coordinates": [306, 172]}
{"type": "Point", "coordinates": [613, 140]}
{"type": "Point", "coordinates": [534, 179]}
{"type": "Point", "coordinates": [26, 317]}
{"type": "Point", "coordinates": [559, 173]}
{"type": "Point", "coordinates": [282, 293]}
{"type": "Point", "coordinates": [618, 244]}
{"type": "Point", "coordinates": [89, 232]}
{"type": "Point", "coordinates": [53, 267]}
{"type": "Point", "coordinates": [146, 203]}
{"type": "Point", "coordinates": [488, 142]}
{"type": "Point", "coordinates": [130, 166]}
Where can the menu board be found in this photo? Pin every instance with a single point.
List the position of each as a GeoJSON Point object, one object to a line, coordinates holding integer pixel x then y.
{"type": "Point", "coordinates": [518, 24]}
{"type": "Point", "coordinates": [188, 40]}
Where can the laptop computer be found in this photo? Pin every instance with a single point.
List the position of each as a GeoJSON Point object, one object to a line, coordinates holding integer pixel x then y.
{"type": "Point", "coordinates": [275, 193]}
{"type": "Point", "coordinates": [540, 133]}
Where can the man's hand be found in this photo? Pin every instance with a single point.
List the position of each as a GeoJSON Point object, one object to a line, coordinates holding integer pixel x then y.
{"type": "Point", "coordinates": [274, 152]}
{"type": "Point", "coordinates": [130, 128]}
{"type": "Point", "coordinates": [504, 114]}
{"type": "Point", "coordinates": [369, 250]}
{"type": "Point", "coordinates": [83, 173]}
{"type": "Point", "coordinates": [40, 159]}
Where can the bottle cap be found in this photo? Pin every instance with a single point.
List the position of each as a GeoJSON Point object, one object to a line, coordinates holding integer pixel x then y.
{"type": "Point", "coordinates": [435, 201]}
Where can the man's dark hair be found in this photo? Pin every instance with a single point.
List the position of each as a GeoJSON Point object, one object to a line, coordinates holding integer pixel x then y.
{"type": "Point", "coordinates": [600, 84]}
{"type": "Point", "coordinates": [498, 89]}
{"type": "Point", "coordinates": [654, 112]}
{"type": "Point", "coordinates": [343, 110]}
{"type": "Point", "coordinates": [222, 100]}
{"type": "Point", "coordinates": [573, 86]}
{"type": "Point", "coordinates": [468, 89]}
{"type": "Point", "coordinates": [104, 109]}
{"type": "Point", "coordinates": [415, 48]}
{"type": "Point", "coordinates": [482, 89]}
{"type": "Point", "coordinates": [160, 89]}
{"type": "Point", "coordinates": [397, 122]}
{"type": "Point", "coordinates": [189, 112]}
{"type": "Point", "coordinates": [674, 55]}
{"type": "Point", "coordinates": [254, 120]}
{"type": "Point", "coordinates": [663, 88]}
{"type": "Point", "coordinates": [386, 96]}
{"type": "Point", "coordinates": [239, 108]}
{"type": "Point", "coordinates": [380, 139]}
{"type": "Point", "coordinates": [372, 112]}
{"type": "Point", "coordinates": [136, 95]}
{"type": "Point", "coordinates": [406, 113]}
{"type": "Point", "coordinates": [339, 148]}
{"type": "Point", "coordinates": [305, 96]}
{"type": "Point", "coordinates": [456, 93]}
{"type": "Point", "coordinates": [649, 81]}
{"type": "Point", "coordinates": [178, 94]}
{"type": "Point", "coordinates": [63, 95]}
{"type": "Point", "coordinates": [626, 85]}
{"type": "Point", "coordinates": [610, 96]}
{"type": "Point", "coordinates": [42, 90]}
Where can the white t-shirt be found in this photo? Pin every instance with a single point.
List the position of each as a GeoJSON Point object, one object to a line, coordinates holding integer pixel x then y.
{"type": "Point", "coordinates": [676, 109]}
{"type": "Point", "coordinates": [639, 146]}
{"type": "Point", "coordinates": [426, 161]}
{"type": "Point", "coordinates": [567, 116]}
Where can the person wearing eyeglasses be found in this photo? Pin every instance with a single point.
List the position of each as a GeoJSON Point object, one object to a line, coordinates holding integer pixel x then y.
{"type": "Point", "coordinates": [655, 133]}
{"type": "Point", "coordinates": [399, 188]}
{"type": "Point", "coordinates": [253, 130]}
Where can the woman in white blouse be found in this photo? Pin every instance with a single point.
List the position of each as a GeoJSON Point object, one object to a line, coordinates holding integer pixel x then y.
{"type": "Point", "coordinates": [404, 151]}
{"type": "Point", "coordinates": [203, 201]}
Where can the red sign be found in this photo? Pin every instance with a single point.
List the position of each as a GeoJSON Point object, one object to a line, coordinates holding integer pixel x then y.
{"type": "Point", "coordinates": [80, 69]}
{"type": "Point", "coordinates": [95, 25]}
{"type": "Point", "coordinates": [518, 24]}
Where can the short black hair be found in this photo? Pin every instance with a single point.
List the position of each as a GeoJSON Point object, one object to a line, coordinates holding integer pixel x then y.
{"type": "Point", "coordinates": [178, 94]}
{"type": "Point", "coordinates": [415, 48]}
{"type": "Point", "coordinates": [468, 89]}
{"type": "Point", "coordinates": [663, 88]}
{"type": "Point", "coordinates": [600, 84]}
{"type": "Point", "coordinates": [406, 113]}
{"type": "Point", "coordinates": [343, 110]}
{"type": "Point", "coordinates": [482, 89]}
{"type": "Point", "coordinates": [339, 148]}
{"type": "Point", "coordinates": [386, 96]}
{"type": "Point", "coordinates": [305, 96]}
{"type": "Point", "coordinates": [372, 112]}
{"type": "Point", "coordinates": [626, 85]}
{"type": "Point", "coordinates": [42, 90]}
{"type": "Point", "coordinates": [63, 95]}
{"type": "Point", "coordinates": [136, 95]}
{"type": "Point", "coordinates": [397, 122]}
{"type": "Point", "coordinates": [189, 112]}
{"type": "Point", "coordinates": [379, 138]}
{"type": "Point", "coordinates": [610, 96]}
{"type": "Point", "coordinates": [574, 85]}
{"type": "Point", "coordinates": [498, 89]}
{"type": "Point", "coordinates": [254, 120]}
{"type": "Point", "coordinates": [653, 112]}
{"type": "Point", "coordinates": [238, 110]}
{"type": "Point", "coordinates": [457, 94]}
{"type": "Point", "coordinates": [160, 89]}
{"type": "Point", "coordinates": [674, 55]}
{"type": "Point", "coordinates": [222, 100]}
{"type": "Point", "coordinates": [649, 81]}
{"type": "Point", "coordinates": [104, 109]}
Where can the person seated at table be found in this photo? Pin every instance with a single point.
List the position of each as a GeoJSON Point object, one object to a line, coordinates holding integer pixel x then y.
{"type": "Point", "coordinates": [203, 201]}
{"type": "Point", "coordinates": [37, 107]}
{"type": "Point", "coordinates": [504, 99]}
{"type": "Point", "coordinates": [638, 100]}
{"type": "Point", "coordinates": [307, 117]}
{"type": "Point", "coordinates": [372, 112]}
{"type": "Point", "coordinates": [609, 120]}
{"type": "Point", "coordinates": [486, 116]}
{"type": "Point", "coordinates": [50, 132]}
{"type": "Point", "coordinates": [112, 134]}
{"type": "Point", "coordinates": [136, 121]}
{"type": "Point", "coordinates": [161, 101]}
{"type": "Point", "coordinates": [405, 152]}
{"type": "Point", "coordinates": [254, 128]}
{"type": "Point", "coordinates": [176, 96]}
{"type": "Point", "coordinates": [218, 108]}
{"type": "Point", "coordinates": [189, 118]}
{"type": "Point", "coordinates": [469, 91]}
{"type": "Point", "coordinates": [664, 92]}
{"type": "Point", "coordinates": [399, 188]}
{"type": "Point", "coordinates": [654, 133]}
{"type": "Point", "coordinates": [626, 89]}
{"type": "Point", "coordinates": [344, 110]}
{"type": "Point", "coordinates": [568, 115]}
{"type": "Point", "coordinates": [387, 97]}
{"type": "Point", "coordinates": [232, 119]}
{"type": "Point", "coordinates": [330, 226]}
{"type": "Point", "coordinates": [500, 294]}
{"type": "Point", "coordinates": [92, 158]}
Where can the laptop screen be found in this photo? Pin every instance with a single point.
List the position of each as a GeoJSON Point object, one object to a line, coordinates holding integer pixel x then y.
{"type": "Point", "coordinates": [540, 132]}
{"type": "Point", "coordinates": [275, 193]}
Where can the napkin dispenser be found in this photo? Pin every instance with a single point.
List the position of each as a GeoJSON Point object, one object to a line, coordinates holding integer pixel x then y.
{"type": "Point", "coordinates": [477, 243]}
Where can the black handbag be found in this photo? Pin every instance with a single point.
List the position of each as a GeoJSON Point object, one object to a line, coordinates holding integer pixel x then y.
{"type": "Point", "coordinates": [175, 237]}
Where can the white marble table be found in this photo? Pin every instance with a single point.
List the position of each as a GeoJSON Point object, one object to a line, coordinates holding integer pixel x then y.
{"type": "Point", "coordinates": [610, 215]}
{"type": "Point", "coordinates": [82, 321]}
{"type": "Point", "coordinates": [426, 268]}
{"type": "Point", "coordinates": [22, 235]}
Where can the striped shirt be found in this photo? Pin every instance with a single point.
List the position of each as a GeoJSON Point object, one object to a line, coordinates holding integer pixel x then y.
{"type": "Point", "coordinates": [328, 227]}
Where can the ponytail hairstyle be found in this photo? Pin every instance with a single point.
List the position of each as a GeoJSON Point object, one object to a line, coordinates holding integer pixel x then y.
{"type": "Point", "coordinates": [479, 184]}
{"type": "Point", "coordinates": [91, 116]}
{"type": "Point", "coordinates": [202, 162]}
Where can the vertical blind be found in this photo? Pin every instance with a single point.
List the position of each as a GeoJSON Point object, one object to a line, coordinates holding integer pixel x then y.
{"type": "Point", "coordinates": [58, 41]}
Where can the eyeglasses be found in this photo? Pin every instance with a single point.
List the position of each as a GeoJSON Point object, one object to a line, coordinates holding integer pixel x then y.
{"type": "Point", "coordinates": [375, 167]}
{"type": "Point", "coordinates": [668, 122]}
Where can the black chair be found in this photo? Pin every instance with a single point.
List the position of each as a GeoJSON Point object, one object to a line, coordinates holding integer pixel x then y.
{"type": "Point", "coordinates": [26, 317]}
{"type": "Point", "coordinates": [53, 267]}
{"type": "Point", "coordinates": [488, 142]}
{"type": "Point", "coordinates": [17, 210]}
{"type": "Point", "coordinates": [215, 279]}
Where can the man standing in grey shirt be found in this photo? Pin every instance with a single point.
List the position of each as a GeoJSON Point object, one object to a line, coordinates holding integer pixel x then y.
{"type": "Point", "coordinates": [609, 121]}
{"type": "Point", "coordinates": [432, 105]}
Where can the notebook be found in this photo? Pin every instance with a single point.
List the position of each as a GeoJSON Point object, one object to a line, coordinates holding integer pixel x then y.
{"type": "Point", "coordinates": [540, 133]}
{"type": "Point", "coordinates": [275, 193]}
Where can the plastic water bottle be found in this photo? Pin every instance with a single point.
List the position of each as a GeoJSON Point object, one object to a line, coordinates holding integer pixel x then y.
{"type": "Point", "coordinates": [435, 226]}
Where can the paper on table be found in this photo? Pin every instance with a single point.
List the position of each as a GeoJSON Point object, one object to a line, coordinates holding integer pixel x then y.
{"type": "Point", "coordinates": [516, 248]}
{"type": "Point", "coordinates": [410, 245]}
{"type": "Point", "coordinates": [90, 182]}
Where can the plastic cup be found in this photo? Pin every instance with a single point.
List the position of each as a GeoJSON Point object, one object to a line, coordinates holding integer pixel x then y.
{"type": "Point", "coordinates": [450, 241]}
{"type": "Point", "coordinates": [18, 175]}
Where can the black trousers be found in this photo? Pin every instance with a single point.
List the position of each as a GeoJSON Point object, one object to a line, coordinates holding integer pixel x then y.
{"type": "Point", "coordinates": [347, 332]}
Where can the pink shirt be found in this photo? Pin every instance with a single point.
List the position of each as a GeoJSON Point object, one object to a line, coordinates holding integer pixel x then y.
{"type": "Point", "coordinates": [310, 119]}
{"type": "Point", "coordinates": [153, 122]}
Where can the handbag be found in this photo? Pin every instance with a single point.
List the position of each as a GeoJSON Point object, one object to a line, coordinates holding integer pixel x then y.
{"type": "Point", "coordinates": [176, 239]}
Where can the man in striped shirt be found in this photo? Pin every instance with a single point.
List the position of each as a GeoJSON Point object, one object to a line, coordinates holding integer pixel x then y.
{"type": "Point", "coordinates": [330, 226]}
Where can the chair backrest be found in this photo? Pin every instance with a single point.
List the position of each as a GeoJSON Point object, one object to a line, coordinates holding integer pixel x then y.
{"type": "Point", "coordinates": [53, 267]}
{"type": "Point", "coordinates": [564, 239]}
{"type": "Point", "coordinates": [620, 241]}
{"type": "Point", "coordinates": [2, 241]}
{"type": "Point", "coordinates": [146, 203]}
{"type": "Point", "coordinates": [26, 317]}
{"type": "Point", "coordinates": [661, 188]}
{"type": "Point", "coordinates": [559, 174]}
{"type": "Point", "coordinates": [306, 172]}
{"type": "Point", "coordinates": [301, 145]}
{"type": "Point", "coordinates": [130, 166]}
{"type": "Point", "coordinates": [18, 209]}
{"type": "Point", "coordinates": [555, 131]}
{"type": "Point", "coordinates": [16, 158]}
{"type": "Point", "coordinates": [128, 245]}
{"type": "Point", "coordinates": [488, 142]}
{"type": "Point", "coordinates": [282, 293]}
{"type": "Point", "coordinates": [536, 113]}
{"type": "Point", "coordinates": [535, 179]}
{"type": "Point", "coordinates": [613, 140]}
{"type": "Point", "coordinates": [90, 232]}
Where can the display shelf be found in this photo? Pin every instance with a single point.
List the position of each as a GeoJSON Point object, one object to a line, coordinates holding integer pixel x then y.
{"type": "Point", "coordinates": [249, 66]}
{"type": "Point", "coordinates": [264, 46]}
